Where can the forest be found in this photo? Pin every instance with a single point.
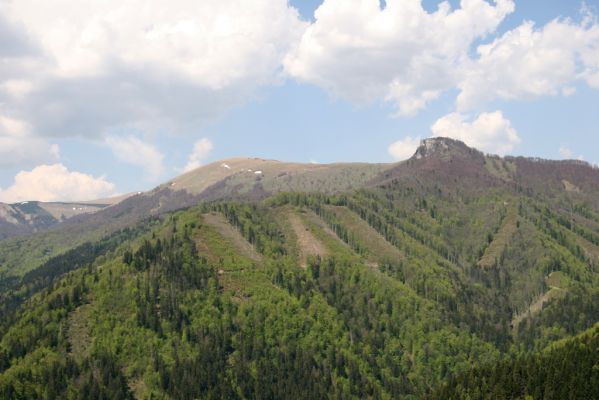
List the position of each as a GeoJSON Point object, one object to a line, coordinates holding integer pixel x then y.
{"type": "Point", "coordinates": [228, 300]}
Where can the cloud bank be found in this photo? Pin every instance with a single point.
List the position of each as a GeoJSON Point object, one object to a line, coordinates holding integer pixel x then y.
{"type": "Point", "coordinates": [149, 65]}
{"type": "Point", "coordinates": [19, 147]}
{"type": "Point", "coordinates": [408, 57]}
{"type": "Point", "coordinates": [56, 183]}
{"type": "Point", "coordinates": [401, 53]}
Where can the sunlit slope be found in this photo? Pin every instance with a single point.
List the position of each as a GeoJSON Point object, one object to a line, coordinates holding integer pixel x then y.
{"type": "Point", "coordinates": [258, 178]}
{"type": "Point", "coordinates": [265, 322]}
{"type": "Point", "coordinates": [373, 293]}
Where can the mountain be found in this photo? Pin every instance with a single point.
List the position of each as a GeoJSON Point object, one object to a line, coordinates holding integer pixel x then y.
{"type": "Point", "coordinates": [33, 216]}
{"type": "Point", "coordinates": [430, 278]}
{"type": "Point", "coordinates": [234, 179]}
{"type": "Point", "coordinates": [567, 369]}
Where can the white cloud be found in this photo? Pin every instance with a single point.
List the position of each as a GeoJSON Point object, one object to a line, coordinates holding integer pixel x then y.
{"type": "Point", "coordinates": [55, 183]}
{"type": "Point", "coordinates": [401, 53]}
{"type": "Point", "coordinates": [408, 57]}
{"type": "Point", "coordinates": [404, 148]}
{"type": "Point", "coordinates": [490, 132]}
{"type": "Point", "coordinates": [97, 65]}
{"type": "Point", "coordinates": [19, 147]}
{"type": "Point", "coordinates": [134, 151]}
{"type": "Point", "coordinates": [528, 62]}
{"type": "Point", "coordinates": [201, 150]}
{"type": "Point", "coordinates": [565, 152]}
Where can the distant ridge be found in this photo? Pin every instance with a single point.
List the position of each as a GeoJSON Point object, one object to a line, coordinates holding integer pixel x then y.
{"type": "Point", "coordinates": [440, 162]}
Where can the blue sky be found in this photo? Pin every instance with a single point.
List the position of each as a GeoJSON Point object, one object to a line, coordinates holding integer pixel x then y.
{"type": "Point", "coordinates": [89, 117]}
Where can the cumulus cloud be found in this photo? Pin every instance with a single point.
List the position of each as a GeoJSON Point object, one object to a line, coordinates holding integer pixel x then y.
{"type": "Point", "coordinates": [404, 148]}
{"type": "Point", "coordinates": [19, 147]}
{"type": "Point", "coordinates": [134, 151]}
{"type": "Point", "coordinates": [56, 183]}
{"type": "Point", "coordinates": [201, 151]}
{"type": "Point", "coordinates": [109, 64]}
{"type": "Point", "coordinates": [490, 132]}
{"type": "Point", "coordinates": [566, 153]}
{"type": "Point", "coordinates": [400, 53]}
{"type": "Point", "coordinates": [407, 56]}
{"type": "Point", "coordinates": [529, 62]}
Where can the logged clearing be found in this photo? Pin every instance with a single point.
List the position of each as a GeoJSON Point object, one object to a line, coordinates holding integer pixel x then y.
{"type": "Point", "coordinates": [501, 240]}
{"type": "Point", "coordinates": [591, 250]}
{"type": "Point", "coordinates": [555, 281]}
{"type": "Point", "coordinates": [308, 244]}
{"type": "Point", "coordinates": [331, 240]}
{"type": "Point", "coordinates": [537, 306]}
{"type": "Point", "coordinates": [570, 187]}
{"type": "Point", "coordinates": [78, 332]}
{"type": "Point", "coordinates": [378, 248]}
{"type": "Point", "coordinates": [225, 246]}
{"type": "Point", "coordinates": [232, 235]}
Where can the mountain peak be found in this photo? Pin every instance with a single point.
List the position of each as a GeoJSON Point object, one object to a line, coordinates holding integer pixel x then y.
{"type": "Point", "coordinates": [444, 148]}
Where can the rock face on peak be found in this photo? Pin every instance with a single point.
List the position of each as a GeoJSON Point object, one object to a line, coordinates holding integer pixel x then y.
{"type": "Point", "coordinates": [445, 148]}
{"type": "Point", "coordinates": [447, 165]}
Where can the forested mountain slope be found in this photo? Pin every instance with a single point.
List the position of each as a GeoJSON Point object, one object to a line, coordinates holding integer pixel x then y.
{"type": "Point", "coordinates": [566, 370]}
{"type": "Point", "coordinates": [428, 281]}
{"type": "Point", "coordinates": [248, 179]}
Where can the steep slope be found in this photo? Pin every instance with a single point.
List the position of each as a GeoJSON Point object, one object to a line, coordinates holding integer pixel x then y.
{"type": "Point", "coordinates": [241, 178]}
{"type": "Point", "coordinates": [216, 295]}
{"type": "Point", "coordinates": [566, 370]}
{"type": "Point", "coordinates": [160, 317]}
{"type": "Point", "coordinates": [448, 261]}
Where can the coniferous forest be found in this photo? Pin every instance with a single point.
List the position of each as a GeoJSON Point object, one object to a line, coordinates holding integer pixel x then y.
{"type": "Point", "coordinates": [409, 290]}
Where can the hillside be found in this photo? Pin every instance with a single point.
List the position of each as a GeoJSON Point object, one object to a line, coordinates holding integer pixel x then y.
{"type": "Point", "coordinates": [568, 369]}
{"type": "Point", "coordinates": [241, 178]}
{"type": "Point", "coordinates": [34, 216]}
{"type": "Point", "coordinates": [342, 281]}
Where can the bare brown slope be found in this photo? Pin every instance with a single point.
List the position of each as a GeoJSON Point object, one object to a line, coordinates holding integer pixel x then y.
{"type": "Point", "coordinates": [308, 245]}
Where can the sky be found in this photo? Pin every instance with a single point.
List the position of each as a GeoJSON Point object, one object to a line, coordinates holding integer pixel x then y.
{"type": "Point", "coordinates": [104, 98]}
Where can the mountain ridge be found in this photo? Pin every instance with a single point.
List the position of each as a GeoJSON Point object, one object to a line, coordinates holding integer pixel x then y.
{"type": "Point", "coordinates": [290, 284]}
{"type": "Point", "coordinates": [439, 164]}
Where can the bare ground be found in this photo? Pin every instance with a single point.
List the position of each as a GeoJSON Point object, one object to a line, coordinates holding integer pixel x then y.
{"type": "Point", "coordinates": [78, 332]}
{"type": "Point", "coordinates": [379, 249]}
{"type": "Point", "coordinates": [536, 307]}
{"type": "Point", "coordinates": [308, 244]}
{"type": "Point", "coordinates": [502, 239]}
{"type": "Point", "coordinates": [245, 248]}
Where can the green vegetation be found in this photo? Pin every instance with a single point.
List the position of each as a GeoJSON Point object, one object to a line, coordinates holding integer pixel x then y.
{"type": "Point", "coordinates": [567, 370]}
{"type": "Point", "coordinates": [412, 289]}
